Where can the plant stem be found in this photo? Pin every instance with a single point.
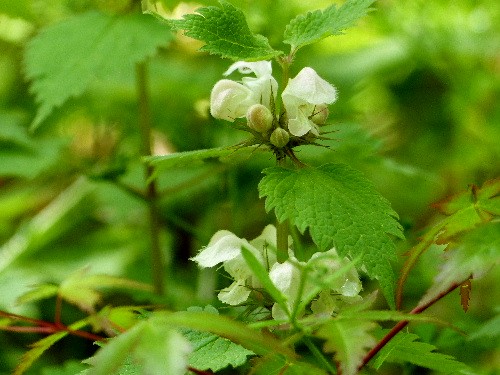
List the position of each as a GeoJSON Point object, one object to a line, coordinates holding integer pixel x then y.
{"type": "Point", "coordinates": [281, 234]}
{"type": "Point", "coordinates": [399, 326]}
{"type": "Point", "coordinates": [157, 261]}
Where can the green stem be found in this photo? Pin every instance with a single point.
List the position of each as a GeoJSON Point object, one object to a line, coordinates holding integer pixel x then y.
{"type": "Point", "coordinates": [157, 262]}
{"type": "Point", "coordinates": [281, 234]}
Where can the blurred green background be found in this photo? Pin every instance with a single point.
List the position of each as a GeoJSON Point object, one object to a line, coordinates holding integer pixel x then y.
{"type": "Point", "coordinates": [418, 113]}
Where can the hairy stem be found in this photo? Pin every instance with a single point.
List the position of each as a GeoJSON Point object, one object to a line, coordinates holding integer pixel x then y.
{"type": "Point", "coordinates": [157, 261]}
{"type": "Point", "coordinates": [400, 325]}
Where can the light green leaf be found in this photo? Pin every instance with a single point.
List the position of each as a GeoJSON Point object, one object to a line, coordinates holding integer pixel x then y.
{"type": "Point", "coordinates": [314, 26]}
{"type": "Point", "coordinates": [349, 339]}
{"type": "Point", "coordinates": [404, 348]}
{"type": "Point", "coordinates": [65, 58]}
{"type": "Point", "coordinates": [262, 275]}
{"type": "Point", "coordinates": [39, 347]}
{"type": "Point", "coordinates": [225, 32]}
{"type": "Point", "coordinates": [38, 292]}
{"type": "Point", "coordinates": [341, 208]}
{"type": "Point", "coordinates": [477, 253]}
{"type": "Point", "coordinates": [80, 288]}
{"type": "Point", "coordinates": [193, 158]}
{"type": "Point", "coordinates": [150, 345]}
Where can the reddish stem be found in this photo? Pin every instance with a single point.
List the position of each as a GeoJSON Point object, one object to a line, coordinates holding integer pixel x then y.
{"type": "Point", "coordinates": [400, 325]}
{"type": "Point", "coordinates": [42, 326]}
{"type": "Point", "coordinates": [57, 315]}
{"type": "Point", "coordinates": [199, 372]}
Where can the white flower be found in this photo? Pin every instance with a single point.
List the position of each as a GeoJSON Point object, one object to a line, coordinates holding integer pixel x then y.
{"type": "Point", "coordinates": [300, 97]}
{"type": "Point", "coordinates": [225, 247]}
{"type": "Point", "coordinates": [321, 279]}
{"type": "Point", "coordinates": [230, 100]}
{"type": "Point", "coordinates": [321, 272]}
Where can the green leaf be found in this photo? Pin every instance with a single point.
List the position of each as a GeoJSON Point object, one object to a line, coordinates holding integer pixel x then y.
{"type": "Point", "coordinates": [65, 58]}
{"type": "Point", "coordinates": [39, 347]}
{"type": "Point", "coordinates": [211, 352]}
{"type": "Point", "coordinates": [24, 156]}
{"type": "Point", "coordinates": [342, 209]}
{"type": "Point", "coordinates": [349, 339]}
{"type": "Point", "coordinates": [150, 344]}
{"type": "Point", "coordinates": [47, 224]}
{"type": "Point", "coordinates": [477, 253]}
{"type": "Point", "coordinates": [256, 341]}
{"type": "Point", "coordinates": [314, 26]}
{"type": "Point", "coordinates": [80, 288]}
{"type": "Point", "coordinates": [225, 32]}
{"type": "Point", "coordinates": [193, 158]}
{"type": "Point", "coordinates": [490, 329]}
{"type": "Point", "coordinates": [465, 211]}
{"type": "Point", "coordinates": [262, 275]}
{"type": "Point", "coordinates": [404, 348]}
{"type": "Point", "coordinates": [38, 292]}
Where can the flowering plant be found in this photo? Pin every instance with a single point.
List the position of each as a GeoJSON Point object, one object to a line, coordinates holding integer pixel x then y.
{"type": "Point", "coordinates": [294, 279]}
{"type": "Point", "coordinates": [304, 103]}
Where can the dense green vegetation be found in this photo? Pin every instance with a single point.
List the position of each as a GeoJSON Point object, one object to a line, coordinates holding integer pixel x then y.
{"type": "Point", "coordinates": [114, 174]}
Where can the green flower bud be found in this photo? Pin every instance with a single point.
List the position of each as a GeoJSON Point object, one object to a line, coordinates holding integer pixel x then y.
{"type": "Point", "coordinates": [279, 137]}
{"type": "Point", "coordinates": [320, 114]}
{"type": "Point", "coordinates": [259, 118]}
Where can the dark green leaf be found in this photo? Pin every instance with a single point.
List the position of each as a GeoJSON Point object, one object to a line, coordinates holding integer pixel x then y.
{"type": "Point", "coordinates": [64, 59]}
{"type": "Point", "coordinates": [341, 209]}
{"type": "Point", "coordinates": [404, 348]}
{"type": "Point", "coordinates": [225, 32]}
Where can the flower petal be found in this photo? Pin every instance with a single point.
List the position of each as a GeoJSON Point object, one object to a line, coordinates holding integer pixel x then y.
{"type": "Point", "coordinates": [309, 87]}
{"type": "Point", "coordinates": [234, 294]}
{"type": "Point", "coordinates": [259, 68]}
{"type": "Point", "coordinates": [223, 246]}
{"type": "Point", "coordinates": [230, 100]}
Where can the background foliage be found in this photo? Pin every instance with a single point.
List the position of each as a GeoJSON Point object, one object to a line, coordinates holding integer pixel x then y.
{"type": "Point", "coordinates": [417, 113]}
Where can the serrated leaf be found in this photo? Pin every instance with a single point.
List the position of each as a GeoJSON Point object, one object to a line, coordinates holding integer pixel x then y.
{"type": "Point", "coordinates": [404, 348]}
{"type": "Point", "coordinates": [341, 208]}
{"type": "Point", "coordinates": [211, 352]}
{"type": "Point", "coordinates": [466, 211]}
{"type": "Point", "coordinates": [151, 345]}
{"type": "Point", "coordinates": [477, 253]}
{"type": "Point", "coordinates": [225, 32]}
{"type": "Point", "coordinates": [239, 333]}
{"type": "Point", "coordinates": [81, 289]}
{"type": "Point", "coordinates": [314, 26]}
{"type": "Point", "coordinates": [65, 58]}
{"type": "Point", "coordinates": [349, 339]}
{"type": "Point", "coordinates": [39, 347]}
{"type": "Point", "coordinates": [279, 365]}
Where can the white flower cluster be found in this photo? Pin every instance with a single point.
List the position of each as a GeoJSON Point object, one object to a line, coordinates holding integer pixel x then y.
{"type": "Point", "coordinates": [305, 100]}
{"type": "Point", "coordinates": [225, 247]}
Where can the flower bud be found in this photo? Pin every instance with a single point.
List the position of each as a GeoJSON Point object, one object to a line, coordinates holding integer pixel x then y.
{"type": "Point", "coordinates": [279, 137]}
{"type": "Point", "coordinates": [259, 118]}
{"type": "Point", "coordinates": [320, 114]}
